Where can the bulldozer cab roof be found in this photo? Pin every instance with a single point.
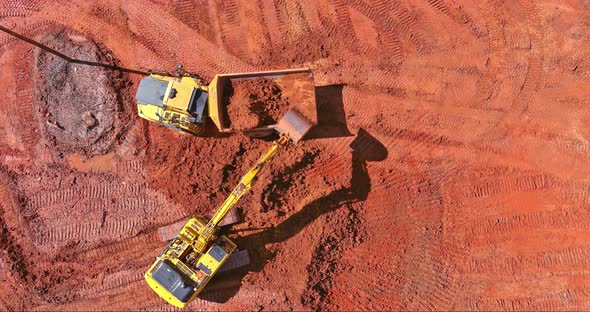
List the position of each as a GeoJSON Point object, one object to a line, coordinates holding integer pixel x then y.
{"type": "Point", "coordinates": [151, 91]}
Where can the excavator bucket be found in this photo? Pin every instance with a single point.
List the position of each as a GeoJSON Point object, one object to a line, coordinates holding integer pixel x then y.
{"type": "Point", "coordinates": [294, 125]}
{"type": "Point", "coordinates": [296, 84]}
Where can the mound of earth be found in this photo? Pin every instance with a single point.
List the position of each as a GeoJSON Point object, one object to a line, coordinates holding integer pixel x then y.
{"type": "Point", "coordinates": [79, 107]}
{"type": "Point", "coordinates": [254, 103]}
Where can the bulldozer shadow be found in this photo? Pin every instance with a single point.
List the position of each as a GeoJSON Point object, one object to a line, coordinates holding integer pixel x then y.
{"type": "Point", "coordinates": [331, 121]}
{"type": "Point", "coordinates": [364, 148]}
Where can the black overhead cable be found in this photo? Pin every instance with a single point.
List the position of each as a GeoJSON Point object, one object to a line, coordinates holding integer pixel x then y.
{"type": "Point", "coordinates": [71, 60]}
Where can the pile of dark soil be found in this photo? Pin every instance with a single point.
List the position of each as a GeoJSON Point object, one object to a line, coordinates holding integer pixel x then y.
{"type": "Point", "coordinates": [80, 108]}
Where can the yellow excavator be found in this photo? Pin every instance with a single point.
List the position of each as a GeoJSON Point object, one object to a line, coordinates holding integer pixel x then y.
{"type": "Point", "coordinates": [191, 259]}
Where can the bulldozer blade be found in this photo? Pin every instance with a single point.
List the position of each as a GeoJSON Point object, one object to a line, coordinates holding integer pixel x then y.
{"type": "Point", "coordinates": [296, 84]}
{"type": "Point", "coordinates": [294, 125]}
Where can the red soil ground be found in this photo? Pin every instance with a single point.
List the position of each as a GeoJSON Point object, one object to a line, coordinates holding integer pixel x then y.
{"type": "Point", "coordinates": [448, 171]}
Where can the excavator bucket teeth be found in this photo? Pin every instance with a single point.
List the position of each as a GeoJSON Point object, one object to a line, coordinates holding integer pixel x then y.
{"type": "Point", "coordinates": [294, 125]}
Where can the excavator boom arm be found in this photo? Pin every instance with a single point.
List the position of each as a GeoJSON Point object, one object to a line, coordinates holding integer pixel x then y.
{"type": "Point", "coordinates": [245, 184]}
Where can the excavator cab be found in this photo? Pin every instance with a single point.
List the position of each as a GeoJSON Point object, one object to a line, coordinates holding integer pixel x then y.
{"type": "Point", "coordinates": [167, 275]}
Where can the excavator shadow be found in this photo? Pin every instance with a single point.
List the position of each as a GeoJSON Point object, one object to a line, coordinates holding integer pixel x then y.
{"type": "Point", "coordinates": [364, 148]}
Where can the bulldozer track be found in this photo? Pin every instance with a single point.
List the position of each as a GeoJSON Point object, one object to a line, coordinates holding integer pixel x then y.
{"type": "Point", "coordinates": [522, 304]}
{"type": "Point", "coordinates": [114, 281]}
{"type": "Point", "coordinates": [385, 25]}
{"type": "Point", "coordinates": [518, 184]}
{"type": "Point", "coordinates": [24, 94]}
{"type": "Point", "coordinates": [270, 22]}
{"type": "Point", "coordinates": [188, 11]}
{"type": "Point", "coordinates": [233, 29]}
{"type": "Point", "coordinates": [501, 226]}
{"type": "Point", "coordinates": [129, 246]}
{"type": "Point", "coordinates": [440, 5]}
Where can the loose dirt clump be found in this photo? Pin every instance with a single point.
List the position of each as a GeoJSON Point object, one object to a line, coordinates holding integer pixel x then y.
{"type": "Point", "coordinates": [254, 103]}
{"type": "Point", "coordinates": [80, 108]}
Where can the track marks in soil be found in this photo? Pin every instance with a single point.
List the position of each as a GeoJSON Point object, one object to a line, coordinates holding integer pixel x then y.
{"type": "Point", "coordinates": [390, 43]}
{"type": "Point", "coordinates": [556, 260]}
{"type": "Point", "coordinates": [124, 248]}
{"type": "Point", "coordinates": [23, 112]}
{"type": "Point", "coordinates": [517, 184]}
{"type": "Point", "coordinates": [233, 29]}
{"type": "Point", "coordinates": [97, 191]}
{"type": "Point", "coordinates": [13, 8]}
{"type": "Point", "coordinates": [88, 231]}
{"type": "Point", "coordinates": [504, 227]}
{"type": "Point", "coordinates": [195, 14]}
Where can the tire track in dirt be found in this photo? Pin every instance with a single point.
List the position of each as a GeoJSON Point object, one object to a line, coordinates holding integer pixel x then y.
{"type": "Point", "coordinates": [13, 8]}
{"type": "Point", "coordinates": [196, 15]}
{"type": "Point", "coordinates": [273, 25]}
{"type": "Point", "coordinates": [233, 30]}
{"type": "Point", "coordinates": [517, 184]}
{"type": "Point", "coordinates": [95, 191]}
{"type": "Point", "coordinates": [211, 60]}
{"type": "Point", "coordinates": [131, 247]}
{"type": "Point", "coordinates": [88, 231]}
{"type": "Point", "coordinates": [564, 259]}
{"type": "Point", "coordinates": [501, 228]}
{"type": "Point", "coordinates": [386, 27]}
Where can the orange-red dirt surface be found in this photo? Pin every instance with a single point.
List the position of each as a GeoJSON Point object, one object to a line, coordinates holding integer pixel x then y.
{"type": "Point", "coordinates": [449, 169]}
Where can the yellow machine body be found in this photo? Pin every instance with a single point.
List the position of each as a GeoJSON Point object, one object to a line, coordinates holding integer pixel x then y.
{"type": "Point", "coordinates": [180, 273]}
{"type": "Point", "coordinates": [184, 103]}
{"type": "Point", "coordinates": [175, 102]}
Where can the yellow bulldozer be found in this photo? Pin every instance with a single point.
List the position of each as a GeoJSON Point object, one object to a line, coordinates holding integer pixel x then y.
{"type": "Point", "coordinates": [184, 103]}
